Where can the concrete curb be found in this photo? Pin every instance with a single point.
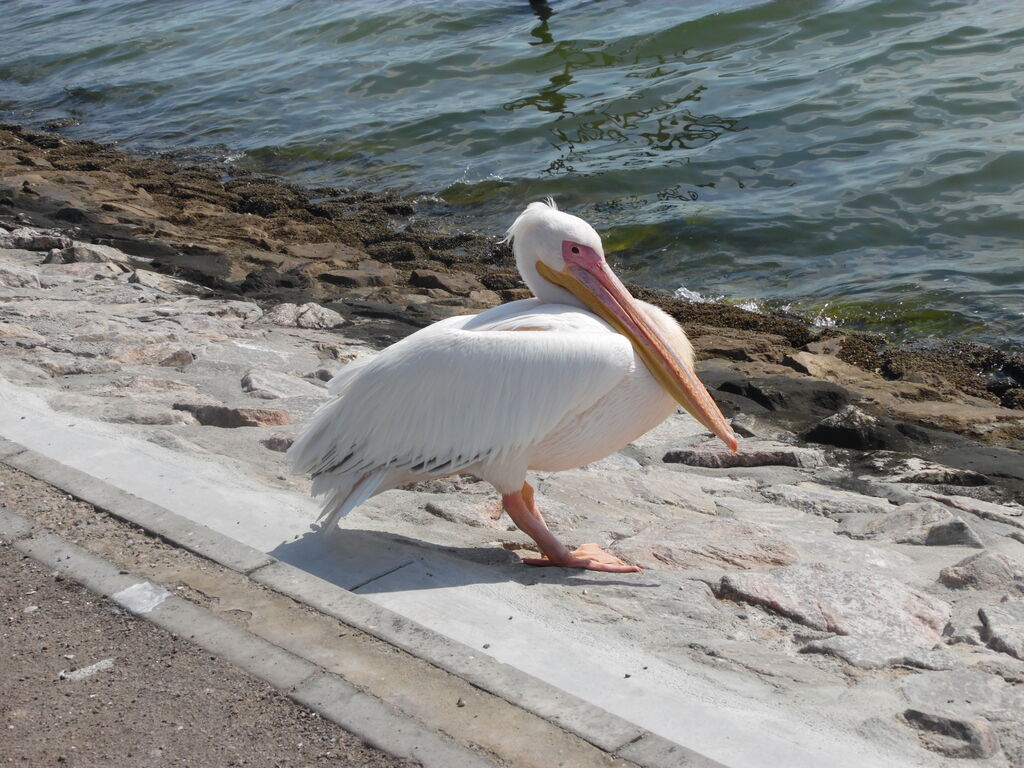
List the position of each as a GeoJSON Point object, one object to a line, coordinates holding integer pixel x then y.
{"type": "Point", "coordinates": [603, 729]}
{"type": "Point", "coordinates": [359, 713]}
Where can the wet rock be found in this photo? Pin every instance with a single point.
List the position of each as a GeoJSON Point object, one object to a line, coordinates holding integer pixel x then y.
{"type": "Point", "coordinates": [751, 454]}
{"type": "Point", "coordinates": [926, 524]}
{"type": "Point", "coordinates": [797, 402]}
{"type": "Point", "coordinates": [985, 570]}
{"type": "Point", "coordinates": [952, 734]}
{"type": "Point", "coordinates": [853, 428]}
{"type": "Point", "coordinates": [459, 284]}
{"type": "Point", "coordinates": [271, 385]}
{"type": "Point", "coordinates": [821, 500]}
{"type": "Point", "coordinates": [701, 542]}
{"type": "Point", "coordinates": [304, 316]}
{"type": "Point", "coordinates": [230, 418]}
{"type": "Point", "coordinates": [278, 443]}
{"type": "Point", "coordinates": [1004, 627]}
{"type": "Point", "coordinates": [880, 653]}
{"type": "Point", "coordinates": [368, 274]}
{"type": "Point", "coordinates": [843, 602]}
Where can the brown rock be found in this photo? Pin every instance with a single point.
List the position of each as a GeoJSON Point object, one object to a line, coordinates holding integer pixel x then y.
{"type": "Point", "coordinates": [278, 443]}
{"type": "Point", "coordinates": [319, 251]}
{"type": "Point", "coordinates": [459, 284]}
{"type": "Point", "coordinates": [230, 418]}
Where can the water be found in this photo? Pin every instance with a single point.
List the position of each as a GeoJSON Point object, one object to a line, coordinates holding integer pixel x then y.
{"type": "Point", "coordinates": [859, 162]}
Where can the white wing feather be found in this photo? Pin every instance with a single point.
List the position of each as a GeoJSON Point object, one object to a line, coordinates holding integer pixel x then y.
{"type": "Point", "coordinates": [460, 392]}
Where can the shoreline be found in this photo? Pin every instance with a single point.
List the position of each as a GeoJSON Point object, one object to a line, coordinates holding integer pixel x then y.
{"type": "Point", "coordinates": [369, 255]}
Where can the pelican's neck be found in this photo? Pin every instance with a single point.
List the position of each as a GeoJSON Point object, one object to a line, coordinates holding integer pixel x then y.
{"type": "Point", "coordinates": [546, 291]}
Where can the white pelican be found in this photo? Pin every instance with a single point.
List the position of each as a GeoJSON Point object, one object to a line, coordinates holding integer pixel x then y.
{"type": "Point", "coordinates": [549, 383]}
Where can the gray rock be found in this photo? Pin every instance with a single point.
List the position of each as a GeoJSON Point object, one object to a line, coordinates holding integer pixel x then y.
{"type": "Point", "coordinates": [1007, 514]}
{"type": "Point", "coordinates": [271, 385]}
{"type": "Point", "coordinates": [953, 735]}
{"type": "Point", "coordinates": [985, 570]}
{"type": "Point", "coordinates": [17, 276]}
{"type": "Point", "coordinates": [821, 500]}
{"type": "Point", "coordinates": [843, 602]}
{"type": "Point", "coordinates": [156, 281]}
{"type": "Point", "coordinates": [278, 443]}
{"type": "Point", "coordinates": [700, 542]}
{"type": "Point", "coordinates": [965, 690]}
{"type": "Point", "coordinates": [916, 470]}
{"type": "Point", "coordinates": [750, 454]}
{"type": "Point", "coordinates": [880, 652]}
{"type": "Point", "coordinates": [304, 316]}
{"type": "Point", "coordinates": [926, 524]}
{"type": "Point", "coordinates": [1004, 627]}
{"type": "Point", "coordinates": [32, 239]}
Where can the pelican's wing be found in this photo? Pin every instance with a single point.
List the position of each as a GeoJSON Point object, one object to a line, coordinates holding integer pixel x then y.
{"type": "Point", "coordinates": [448, 397]}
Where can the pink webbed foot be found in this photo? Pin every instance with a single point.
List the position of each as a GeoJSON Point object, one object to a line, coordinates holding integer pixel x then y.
{"type": "Point", "coordinates": [589, 557]}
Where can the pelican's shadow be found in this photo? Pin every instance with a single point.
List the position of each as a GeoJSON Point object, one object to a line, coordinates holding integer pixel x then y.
{"type": "Point", "coordinates": [370, 562]}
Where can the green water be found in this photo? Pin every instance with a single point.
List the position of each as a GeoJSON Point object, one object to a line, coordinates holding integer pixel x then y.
{"type": "Point", "coordinates": [861, 163]}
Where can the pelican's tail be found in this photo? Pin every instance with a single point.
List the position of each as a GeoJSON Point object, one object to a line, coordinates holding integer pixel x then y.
{"type": "Point", "coordinates": [343, 494]}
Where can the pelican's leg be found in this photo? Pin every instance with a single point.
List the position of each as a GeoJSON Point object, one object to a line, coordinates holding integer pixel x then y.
{"type": "Point", "coordinates": [524, 513]}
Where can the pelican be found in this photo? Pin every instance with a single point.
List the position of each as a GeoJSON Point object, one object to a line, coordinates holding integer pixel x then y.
{"type": "Point", "coordinates": [547, 384]}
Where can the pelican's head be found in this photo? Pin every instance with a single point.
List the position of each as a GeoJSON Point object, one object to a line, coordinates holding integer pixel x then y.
{"type": "Point", "coordinates": [561, 260]}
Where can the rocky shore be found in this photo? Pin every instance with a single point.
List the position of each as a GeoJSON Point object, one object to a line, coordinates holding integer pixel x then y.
{"type": "Point", "coordinates": [861, 559]}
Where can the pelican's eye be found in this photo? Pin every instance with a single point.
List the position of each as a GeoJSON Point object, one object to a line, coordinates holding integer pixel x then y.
{"type": "Point", "coordinates": [576, 249]}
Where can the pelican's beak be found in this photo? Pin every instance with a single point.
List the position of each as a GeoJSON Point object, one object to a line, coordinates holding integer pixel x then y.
{"type": "Point", "coordinates": [587, 276]}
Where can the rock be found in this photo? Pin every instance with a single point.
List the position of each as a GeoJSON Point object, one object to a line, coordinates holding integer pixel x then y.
{"type": "Point", "coordinates": [965, 690]}
{"type": "Point", "coordinates": [1004, 627]}
{"type": "Point", "coordinates": [17, 276]}
{"type": "Point", "coordinates": [1000, 513]}
{"type": "Point", "coordinates": [270, 385]}
{"type": "Point", "coordinates": [304, 316]}
{"type": "Point", "coordinates": [924, 523]}
{"type": "Point", "coordinates": [985, 570]}
{"type": "Point", "coordinates": [916, 470]}
{"type": "Point", "coordinates": [853, 428]}
{"type": "Point", "coordinates": [156, 281]}
{"type": "Point", "coordinates": [843, 602]}
{"type": "Point", "coordinates": [31, 239]}
{"type": "Point", "coordinates": [696, 542]}
{"type": "Point", "coordinates": [230, 418]}
{"type": "Point", "coordinates": [177, 358]}
{"type": "Point", "coordinates": [459, 284]}
{"type": "Point", "coordinates": [278, 443]}
{"type": "Point", "coordinates": [21, 333]}
{"type": "Point", "coordinates": [796, 401]}
{"type": "Point", "coordinates": [821, 500]}
{"type": "Point", "coordinates": [743, 348]}
{"type": "Point", "coordinates": [751, 454]}
{"type": "Point", "coordinates": [368, 274]}
{"type": "Point", "coordinates": [86, 253]}
{"type": "Point", "coordinates": [880, 653]}
{"type": "Point", "coordinates": [953, 735]}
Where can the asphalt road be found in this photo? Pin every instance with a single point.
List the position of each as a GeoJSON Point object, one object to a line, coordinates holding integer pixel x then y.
{"type": "Point", "coordinates": [155, 700]}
